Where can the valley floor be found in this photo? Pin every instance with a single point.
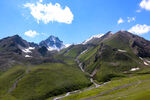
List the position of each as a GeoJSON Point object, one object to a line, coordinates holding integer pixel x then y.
{"type": "Point", "coordinates": [131, 88]}
{"type": "Point", "coordinates": [134, 86]}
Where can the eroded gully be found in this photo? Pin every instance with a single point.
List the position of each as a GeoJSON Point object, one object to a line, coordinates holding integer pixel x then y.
{"type": "Point", "coordinates": [80, 91]}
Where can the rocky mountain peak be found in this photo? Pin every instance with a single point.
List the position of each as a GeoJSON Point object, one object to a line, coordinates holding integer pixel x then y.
{"type": "Point", "coordinates": [52, 43]}
{"type": "Point", "coordinates": [15, 40]}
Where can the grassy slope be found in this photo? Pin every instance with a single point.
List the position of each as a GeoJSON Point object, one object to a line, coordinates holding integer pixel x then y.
{"type": "Point", "coordinates": [66, 59]}
{"type": "Point", "coordinates": [48, 80]}
{"type": "Point", "coordinates": [118, 41]}
{"type": "Point", "coordinates": [135, 87]}
{"type": "Point", "coordinates": [88, 59]}
{"type": "Point", "coordinates": [8, 78]}
{"type": "Point", "coordinates": [75, 51]}
{"type": "Point", "coordinates": [110, 63]}
{"type": "Point", "coordinates": [114, 63]}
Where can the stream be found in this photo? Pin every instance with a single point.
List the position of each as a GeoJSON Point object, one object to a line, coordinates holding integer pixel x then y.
{"type": "Point", "coordinates": [80, 91]}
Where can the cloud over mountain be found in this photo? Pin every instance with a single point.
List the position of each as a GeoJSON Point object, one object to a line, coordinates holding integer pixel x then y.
{"type": "Point", "coordinates": [145, 4]}
{"type": "Point", "coordinates": [50, 13]}
{"type": "Point", "coordinates": [31, 33]}
{"type": "Point", "coordinates": [140, 29]}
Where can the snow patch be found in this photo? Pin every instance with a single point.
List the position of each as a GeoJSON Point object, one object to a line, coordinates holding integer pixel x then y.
{"type": "Point", "coordinates": [148, 61]}
{"type": "Point", "coordinates": [28, 56]}
{"type": "Point", "coordinates": [67, 45]}
{"type": "Point", "coordinates": [122, 50]}
{"type": "Point", "coordinates": [145, 63]}
{"type": "Point", "coordinates": [53, 48]}
{"type": "Point", "coordinates": [134, 69]}
{"type": "Point", "coordinates": [84, 51]}
{"type": "Point", "coordinates": [95, 36]}
{"type": "Point", "coordinates": [141, 58]}
{"type": "Point", "coordinates": [28, 50]}
{"type": "Point", "coordinates": [53, 39]}
{"type": "Point", "coordinates": [31, 48]}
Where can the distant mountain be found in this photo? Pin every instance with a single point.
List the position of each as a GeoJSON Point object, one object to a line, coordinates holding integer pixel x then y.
{"type": "Point", "coordinates": [92, 38]}
{"type": "Point", "coordinates": [14, 43]}
{"type": "Point", "coordinates": [14, 50]}
{"type": "Point", "coordinates": [52, 43]}
{"type": "Point", "coordinates": [97, 38]}
{"type": "Point", "coordinates": [106, 56]}
{"type": "Point", "coordinates": [101, 58]}
{"type": "Point", "coordinates": [140, 46]}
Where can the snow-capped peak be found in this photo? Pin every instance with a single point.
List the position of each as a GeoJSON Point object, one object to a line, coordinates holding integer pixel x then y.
{"type": "Point", "coordinates": [95, 36]}
{"type": "Point", "coordinates": [52, 43]}
{"type": "Point", "coordinates": [67, 45]}
{"type": "Point", "coordinates": [50, 48]}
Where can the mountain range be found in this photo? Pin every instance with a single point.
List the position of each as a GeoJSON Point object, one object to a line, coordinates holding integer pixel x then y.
{"type": "Point", "coordinates": [45, 71]}
{"type": "Point", "coordinates": [15, 50]}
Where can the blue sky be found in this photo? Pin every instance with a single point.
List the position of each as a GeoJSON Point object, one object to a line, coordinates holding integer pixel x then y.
{"type": "Point", "coordinates": [73, 21]}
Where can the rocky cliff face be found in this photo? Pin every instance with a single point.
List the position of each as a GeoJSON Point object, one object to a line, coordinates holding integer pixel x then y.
{"type": "Point", "coordinates": [52, 43]}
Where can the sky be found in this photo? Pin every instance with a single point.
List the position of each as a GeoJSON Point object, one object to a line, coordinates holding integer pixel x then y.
{"type": "Point", "coordinates": [73, 21]}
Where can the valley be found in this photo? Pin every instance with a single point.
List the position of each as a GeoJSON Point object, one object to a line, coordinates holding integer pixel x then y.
{"type": "Point", "coordinates": [74, 50]}
{"type": "Point", "coordinates": [110, 66]}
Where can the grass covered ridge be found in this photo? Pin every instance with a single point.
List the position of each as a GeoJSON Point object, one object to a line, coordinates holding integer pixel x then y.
{"type": "Point", "coordinates": [108, 61]}
{"type": "Point", "coordinates": [130, 88]}
{"type": "Point", "coordinates": [7, 79]}
{"type": "Point", "coordinates": [75, 51]}
{"type": "Point", "coordinates": [47, 80]}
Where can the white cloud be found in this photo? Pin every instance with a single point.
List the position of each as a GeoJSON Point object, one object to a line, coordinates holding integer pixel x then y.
{"type": "Point", "coordinates": [44, 34]}
{"type": "Point", "coordinates": [140, 29]}
{"type": "Point", "coordinates": [31, 33]}
{"type": "Point", "coordinates": [41, 0]}
{"type": "Point", "coordinates": [120, 21]}
{"type": "Point", "coordinates": [50, 13]}
{"type": "Point", "coordinates": [138, 11]}
{"type": "Point", "coordinates": [128, 19]}
{"type": "Point", "coordinates": [145, 4]}
{"type": "Point", "coordinates": [131, 19]}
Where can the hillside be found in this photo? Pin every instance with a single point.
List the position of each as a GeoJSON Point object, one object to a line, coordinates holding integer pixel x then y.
{"type": "Point", "coordinates": [103, 67]}
{"type": "Point", "coordinates": [113, 55]}
{"type": "Point", "coordinates": [130, 88]}
{"type": "Point", "coordinates": [15, 50]}
{"type": "Point", "coordinates": [41, 82]}
{"type": "Point", "coordinates": [114, 59]}
{"type": "Point", "coordinates": [38, 70]}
